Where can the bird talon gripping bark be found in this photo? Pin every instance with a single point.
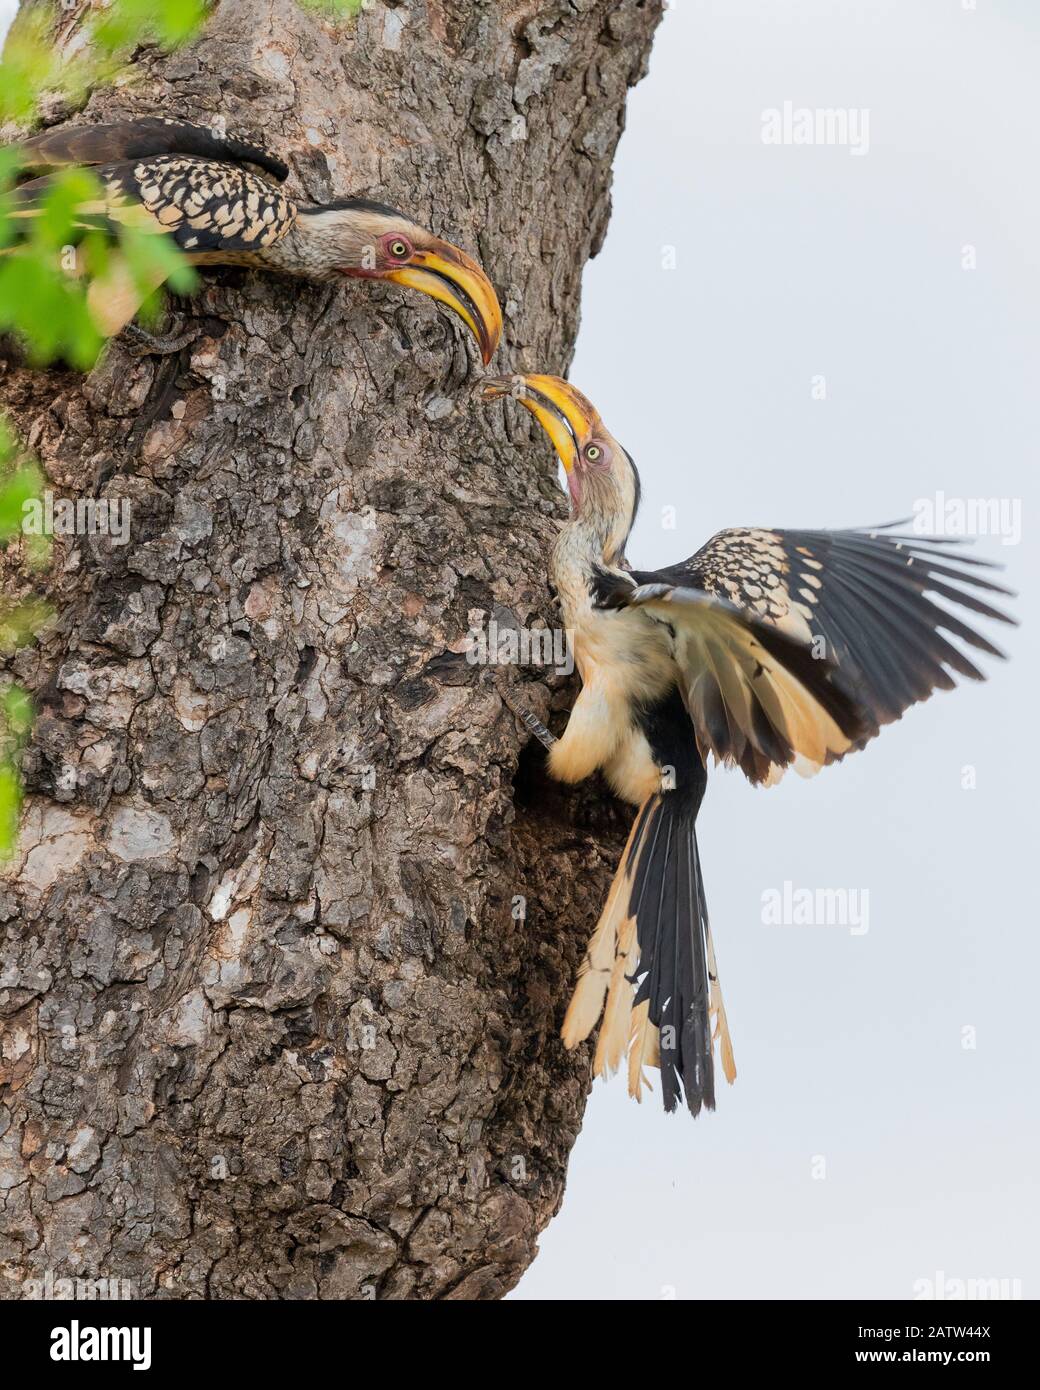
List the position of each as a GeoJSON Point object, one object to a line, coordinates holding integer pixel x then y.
{"type": "Point", "coordinates": [530, 721]}
{"type": "Point", "coordinates": [765, 649]}
{"type": "Point", "coordinates": [181, 181]}
{"type": "Point", "coordinates": [541, 733]}
{"type": "Point", "coordinates": [144, 344]}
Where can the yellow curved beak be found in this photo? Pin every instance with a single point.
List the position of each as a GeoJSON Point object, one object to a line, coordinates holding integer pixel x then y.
{"type": "Point", "coordinates": [456, 280]}
{"type": "Point", "coordinates": [567, 417]}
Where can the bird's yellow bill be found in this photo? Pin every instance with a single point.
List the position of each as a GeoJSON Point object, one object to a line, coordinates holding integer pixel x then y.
{"type": "Point", "coordinates": [457, 281]}
{"type": "Point", "coordinates": [561, 410]}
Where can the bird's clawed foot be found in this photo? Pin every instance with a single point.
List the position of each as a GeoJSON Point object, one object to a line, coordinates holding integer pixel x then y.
{"type": "Point", "coordinates": [147, 344]}
{"type": "Point", "coordinates": [530, 721]}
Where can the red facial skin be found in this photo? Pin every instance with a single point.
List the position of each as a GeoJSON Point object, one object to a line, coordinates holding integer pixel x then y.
{"type": "Point", "coordinates": [392, 262]}
{"type": "Point", "coordinates": [586, 465]}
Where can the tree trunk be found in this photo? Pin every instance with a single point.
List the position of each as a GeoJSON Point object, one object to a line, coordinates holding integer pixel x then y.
{"type": "Point", "coordinates": [286, 944]}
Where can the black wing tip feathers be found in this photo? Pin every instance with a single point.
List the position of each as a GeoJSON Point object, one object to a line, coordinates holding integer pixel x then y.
{"type": "Point", "coordinates": [143, 138]}
{"type": "Point", "coordinates": [889, 607]}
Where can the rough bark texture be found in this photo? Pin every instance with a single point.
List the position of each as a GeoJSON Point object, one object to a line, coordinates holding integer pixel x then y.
{"type": "Point", "coordinates": [269, 1025]}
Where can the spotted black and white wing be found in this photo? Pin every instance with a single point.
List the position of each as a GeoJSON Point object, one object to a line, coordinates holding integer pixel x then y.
{"type": "Point", "coordinates": [213, 211]}
{"type": "Point", "coordinates": [881, 604]}
{"type": "Point", "coordinates": [205, 206]}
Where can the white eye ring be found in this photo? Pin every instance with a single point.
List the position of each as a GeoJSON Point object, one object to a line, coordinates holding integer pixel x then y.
{"type": "Point", "coordinates": [398, 248]}
{"type": "Point", "coordinates": [593, 452]}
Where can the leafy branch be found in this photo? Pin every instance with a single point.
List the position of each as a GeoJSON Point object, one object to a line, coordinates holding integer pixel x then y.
{"type": "Point", "coordinates": [47, 265]}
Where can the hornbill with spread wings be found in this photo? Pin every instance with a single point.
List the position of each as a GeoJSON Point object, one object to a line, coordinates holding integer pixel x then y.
{"type": "Point", "coordinates": [204, 191]}
{"type": "Point", "coordinates": [765, 649]}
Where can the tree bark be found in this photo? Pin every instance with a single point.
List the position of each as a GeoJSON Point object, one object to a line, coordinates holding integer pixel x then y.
{"type": "Point", "coordinates": [287, 941]}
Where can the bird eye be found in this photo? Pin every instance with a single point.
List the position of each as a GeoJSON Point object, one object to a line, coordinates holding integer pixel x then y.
{"type": "Point", "coordinates": [593, 453]}
{"type": "Point", "coordinates": [399, 248]}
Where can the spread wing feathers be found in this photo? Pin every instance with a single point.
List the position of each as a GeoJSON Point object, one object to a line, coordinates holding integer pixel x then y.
{"type": "Point", "coordinates": [212, 211]}
{"type": "Point", "coordinates": [652, 957]}
{"type": "Point", "coordinates": [883, 602]}
{"type": "Point", "coordinates": [141, 139]}
{"type": "Point", "coordinates": [758, 698]}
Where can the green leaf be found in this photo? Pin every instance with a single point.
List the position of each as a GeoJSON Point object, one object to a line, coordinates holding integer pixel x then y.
{"type": "Point", "coordinates": [15, 490]}
{"type": "Point", "coordinates": [29, 66]}
{"type": "Point", "coordinates": [129, 23]}
{"type": "Point", "coordinates": [153, 257]}
{"type": "Point", "coordinates": [334, 9]}
{"type": "Point", "coordinates": [177, 20]}
{"type": "Point", "coordinates": [10, 807]}
{"type": "Point", "coordinates": [56, 227]}
{"type": "Point", "coordinates": [20, 622]}
{"type": "Point", "coordinates": [18, 712]}
{"type": "Point", "coordinates": [47, 309]}
{"type": "Point", "coordinates": [39, 300]}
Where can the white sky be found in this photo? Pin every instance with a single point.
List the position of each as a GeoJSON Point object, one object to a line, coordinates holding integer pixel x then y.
{"type": "Point", "coordinates": [793, 262]}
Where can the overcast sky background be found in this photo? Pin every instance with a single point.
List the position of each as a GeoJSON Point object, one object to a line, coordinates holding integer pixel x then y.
{"type": "Point", "coordinates": [793, 262]}
{"type": "Point", "coordinates": [790, 263]}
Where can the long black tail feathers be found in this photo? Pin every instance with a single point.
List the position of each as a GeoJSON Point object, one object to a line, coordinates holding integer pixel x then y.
{"type": "Point", "coordinates": [652, 959]}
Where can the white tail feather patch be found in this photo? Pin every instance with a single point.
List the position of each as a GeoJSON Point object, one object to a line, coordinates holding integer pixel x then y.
{"type": "Point", "coordinates": [717, 1010]}
{"type": "Point", "coordinates": [610, 962]}
{"type": "Point", "coordinates": [596, 967]}
{"type": "Point", "coordinates": [613, 1040]}
{"type": "Point", "coordinates": [644, 1050]}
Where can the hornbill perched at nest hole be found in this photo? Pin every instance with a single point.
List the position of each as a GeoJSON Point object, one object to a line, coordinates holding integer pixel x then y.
{"type": "Point", "coordinates": [185, 182]}
{"type": "Point", "coordinates": [764, 649]}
